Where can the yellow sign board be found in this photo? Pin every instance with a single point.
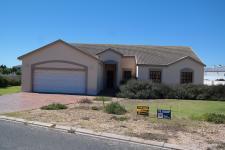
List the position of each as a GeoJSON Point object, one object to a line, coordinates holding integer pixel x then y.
{"type": "Point", "coordinates": [143, 110]}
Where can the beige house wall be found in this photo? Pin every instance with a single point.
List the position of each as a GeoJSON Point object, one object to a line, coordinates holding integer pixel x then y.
{"type": "Point", "coordinates": [171, 73]}
{"type": "Point", "coordinates": [128, 63]}
{"type": "Point", "coordinates": [100, 77]}
{"type": "Point", "coordinates": [59, 65]}
{"type": "Point", "coordinates": [62, 52]}
{"type": "Point", "coordinates": [108, 56]}
{"type": "Point", "coordinates": [123, 63]}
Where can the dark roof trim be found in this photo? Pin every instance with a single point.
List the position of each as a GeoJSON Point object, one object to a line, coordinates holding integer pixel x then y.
{"type": "Point", "coordinates": [110, 49]}
{"type": "Point", "coordinates": [34, 51]}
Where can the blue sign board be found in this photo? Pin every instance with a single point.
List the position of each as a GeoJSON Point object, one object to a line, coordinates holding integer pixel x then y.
{"type": "Point", "coordinates": [163, 114]}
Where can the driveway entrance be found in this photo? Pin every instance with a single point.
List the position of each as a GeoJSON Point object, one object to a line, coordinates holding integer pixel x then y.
{"type": "Point", "coordinates": [26, 101]}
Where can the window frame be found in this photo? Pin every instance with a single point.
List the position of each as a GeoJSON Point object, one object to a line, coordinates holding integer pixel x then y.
{"type": "Point", "coordinates": [128, 70]}
{"type": "Point", "coordinates": [155, 80]}
{"type": "Point", "coordinates": [186, 70]}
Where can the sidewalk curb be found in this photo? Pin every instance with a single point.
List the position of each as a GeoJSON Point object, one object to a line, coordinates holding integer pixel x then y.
{"type": "Point", "coordinates": [74, 130]}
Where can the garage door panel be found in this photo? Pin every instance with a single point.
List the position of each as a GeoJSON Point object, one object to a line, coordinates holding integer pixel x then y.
{"type": "Point", "coordinates": [59, 81]}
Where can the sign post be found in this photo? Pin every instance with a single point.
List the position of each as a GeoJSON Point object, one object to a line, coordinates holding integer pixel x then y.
{"type": "Point", "coordinates": [143, 110]}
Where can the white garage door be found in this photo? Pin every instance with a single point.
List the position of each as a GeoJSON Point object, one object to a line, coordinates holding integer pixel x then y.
{"type": "Point", "coordinates": [59, 81]}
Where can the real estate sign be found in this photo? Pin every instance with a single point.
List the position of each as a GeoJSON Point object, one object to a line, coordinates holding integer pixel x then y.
{"type": "Point", "coordinates": [143, 110]}
{"type": "Point", "coordinates": [163, 114]}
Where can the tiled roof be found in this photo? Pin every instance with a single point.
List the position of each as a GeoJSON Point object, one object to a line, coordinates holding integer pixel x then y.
{"type": "Point", "coordinates": [145, 55]}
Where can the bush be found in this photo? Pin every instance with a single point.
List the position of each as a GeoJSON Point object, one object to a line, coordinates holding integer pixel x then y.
{"type": "Point", "coordinates": [3, 82]}
{"type": "Point", "coordinates": [115, 108]}
{"type": "Point", "coordinates": [10, 81]}
{"type": "Point", "coordinates": [54, 106]}
{"type": "Point", "coordinates": [144, 90]}
{"type": "Point", "coordinates": [136, 89]}
{"type": "Point", "coordinates": [215, 118]}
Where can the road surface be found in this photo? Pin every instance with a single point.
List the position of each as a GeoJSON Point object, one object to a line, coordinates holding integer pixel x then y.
{"type": "Point", "coordinates": [16, 136]}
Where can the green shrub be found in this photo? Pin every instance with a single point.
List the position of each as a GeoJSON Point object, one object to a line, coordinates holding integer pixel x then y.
{"type": "Point", "coordinates": [10, 81]}
{"type": "Point", "coordinates": [54, 106]}
{"type": "Point", "coordinates": [115, 108]}
{"type": "Point", "coordinates": [3, 82]}
{"type": "Point", "coordinates": [13, 81]}
{"type": "Point", "coordinates": [215, 118]}
{"type": "Point", "coordinates": [143, 89]}
{"type": "Point", "coordinates": [136, 89]}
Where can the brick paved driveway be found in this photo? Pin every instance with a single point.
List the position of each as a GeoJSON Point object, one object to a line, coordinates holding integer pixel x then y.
{"type": "Point", "coordinates": [26, 101]}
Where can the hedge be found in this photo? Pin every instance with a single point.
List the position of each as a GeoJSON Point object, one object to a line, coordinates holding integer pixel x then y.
{"type": "Point", "coordinates": [9, 81]}
{"type": "Point", "coordinates": [136, 89]}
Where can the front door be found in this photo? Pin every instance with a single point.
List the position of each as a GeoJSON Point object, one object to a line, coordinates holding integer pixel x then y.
{"type": "Point", "coordinates": [110, 79]}
{"type": "Point", "coordinates": [110, 76]}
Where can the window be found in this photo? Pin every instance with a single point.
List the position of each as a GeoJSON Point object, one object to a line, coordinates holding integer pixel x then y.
{"type": "Point", "coordinates": [127, 75]}
{"type": "Point", "coordinates": [186, 77]}
{"type": "Point", "coordinates": [155, 76]}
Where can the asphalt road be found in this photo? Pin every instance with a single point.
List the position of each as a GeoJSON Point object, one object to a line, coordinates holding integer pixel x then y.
{"type": "Point", "coordinates": [16, 136]}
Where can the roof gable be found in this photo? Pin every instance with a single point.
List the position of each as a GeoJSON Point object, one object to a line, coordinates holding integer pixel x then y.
{"type": "Point", "coordinates": [110, 49]}
{"type": "Point", "coordinates": [55, 42]}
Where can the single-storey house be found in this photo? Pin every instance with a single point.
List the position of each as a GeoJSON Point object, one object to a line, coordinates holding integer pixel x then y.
{"type": "Point", "coordinates": [62, 67]}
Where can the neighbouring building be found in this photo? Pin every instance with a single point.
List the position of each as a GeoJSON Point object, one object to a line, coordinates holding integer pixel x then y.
{"type": "Point", "coordinates": [62, 67]}
{"type": "Point", "coordinates": [214, 75]}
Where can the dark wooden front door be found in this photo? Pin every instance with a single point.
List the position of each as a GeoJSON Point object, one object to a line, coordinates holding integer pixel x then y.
{"type": "Point", "coordinates": [110, 79]}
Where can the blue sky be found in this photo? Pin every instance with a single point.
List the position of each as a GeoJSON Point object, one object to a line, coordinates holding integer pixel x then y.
{"type": "Point", "coordinates": [28, 24]}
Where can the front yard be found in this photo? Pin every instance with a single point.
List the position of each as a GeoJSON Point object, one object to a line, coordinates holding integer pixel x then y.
{"type": "Point", "coordinates": [185, 128]}
{"type": "Point", "coordinates": [10, 90]}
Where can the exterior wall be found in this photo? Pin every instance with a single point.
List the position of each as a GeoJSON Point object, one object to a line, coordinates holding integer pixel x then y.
{"type": "Point", "coordinates": [171, 73]}
{"type": "Point", "coordinates": [128, 63]}
{"type": "Point", "coordinates": [143, 72]}
{"type": "Point", "coordinates": [59, 65]}
{"type": "Point", "coordinates": [100, 77]}
{"type": "Point", "coordinates": [115, 57]}
{"type": "Point", "coordinates": [62, 52]}
{"type": "Point", "coordinates": [123, 63]}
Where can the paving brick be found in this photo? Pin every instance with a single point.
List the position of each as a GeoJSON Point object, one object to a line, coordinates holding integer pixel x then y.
{"type": "Point", "coordinates": [26, 101]}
